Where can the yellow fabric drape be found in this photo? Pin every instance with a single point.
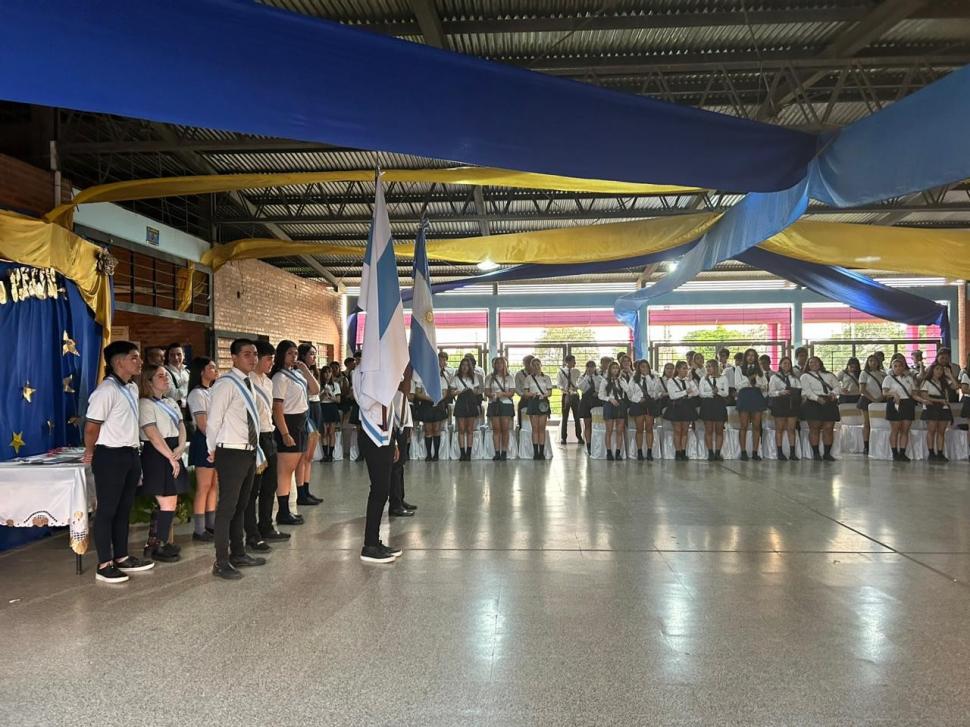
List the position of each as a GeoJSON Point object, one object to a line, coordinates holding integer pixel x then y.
{"type": "Point", "coordinates": [186, 279]}
{"type": "Point", "coordinates": [28, 241]}
{"type": "Point", "coordinates": [914, 250]}
{"type": "Point", "coordinates": [474, 176]}
{"type": "Point", "coordinates": [568, 245]}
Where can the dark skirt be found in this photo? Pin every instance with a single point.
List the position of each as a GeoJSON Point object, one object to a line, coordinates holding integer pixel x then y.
{"type": "Point", "coordinates": [611, 411]}
{"type": "Point", "coordinates": [713, 409]}
{"type": "Point", "coordinates": [849, 398]}
{"type": "Point", "coordinates": [965, 409]}
{"type": "Point", "coordinates": [354, 417]}
{"type": "Point", "coordinates": [501, 409]}
{"type": "Point", "coordinates": [329, 413]}
{"type": "Point", "coordinates": [863, 404]}
{"type": "Point", "coordinates": [296, 425]}
{"type": "Point", "coordinates": [199, 450]}
{"type": "Point", "coordinates": [468, 406]}
{"type": "Point", "coordinates": [937, 413]}
{"type": "Point", "coordinates": [905, 412]}
{"type": "Point", "coordinates": [434, 413]}
{"type": "Point", "coordinates": [785, 407]}
{"type": "Point", "coordinates": [316, 414]}
{"type": "Point", "coordinates": [812, 411]}
{"type": "Point", "coordinates": [156, 472]}
{"type": "Point", "coordinates": [538, 407]}
{"type": "Point", "coordinates": [645, 408]}
{"type": "Point", "coordinates": [751, 400]}
{"type": "Point", "coordinates": [587, 404]}
{"type": "Point", "coordinates": [681, 410]}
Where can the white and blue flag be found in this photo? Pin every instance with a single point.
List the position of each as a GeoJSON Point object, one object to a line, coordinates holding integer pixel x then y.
{"type": "Point", "coordinates": [385, 350]}
{"type": "Point", "coordinates": [424, 341]}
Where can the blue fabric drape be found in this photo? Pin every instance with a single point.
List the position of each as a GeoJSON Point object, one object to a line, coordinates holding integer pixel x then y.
{"type": "Point", "coordinates": [242, 66]}
{"type": "Point", "coordinates": [854, 289]}
{"type": "Point", "coordinates": [33, 331]}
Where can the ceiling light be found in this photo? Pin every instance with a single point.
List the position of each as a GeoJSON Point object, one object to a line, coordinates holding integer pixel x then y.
{"type": "Point", "coordinates": [487, 265]}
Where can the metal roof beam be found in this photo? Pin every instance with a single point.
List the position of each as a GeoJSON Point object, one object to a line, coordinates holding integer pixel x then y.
{"type": "Point", "coordinates": [213, 146]}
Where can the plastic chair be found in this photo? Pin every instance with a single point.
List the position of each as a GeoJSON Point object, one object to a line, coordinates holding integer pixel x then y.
{"type": "Point", "coordinates": [852, 439]}
{"type": "Point", "coordinates": [525, 441]}
{"type": "Point", "coordinates": [879, 428]}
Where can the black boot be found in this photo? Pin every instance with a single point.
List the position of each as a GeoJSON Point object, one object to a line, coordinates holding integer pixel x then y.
{"type": "Point", "coordinates": [816, 455]}
{"type": "Point", "coordinates": [609, 455]}
{"type": "Point", "coordinates": [710, 455]}
{"type": "Point", "coordinates": [639, 455]}
{"type": "Point", "coordinates": [865, 448]}
{"type": "Point", "coordinates": [781, 455]}
{"type": "Point", "coordinates": [427, 449]}
{"type": "Point", "coordinates": [718, 457]}
{"type": "Point", "coordinates": [618, 456]}
{"type": "Point", "coordinates": [542, 452]}
{"type": "Point", "coordinates": [828, 454]}
{"type": "Point", "coordinates": [436, 441]}
{"type": "Point", "coordinates": [744, 455]}
{"type": "Point", "coordinates": [535, 451]}
{"type": "Point", "coordinates": [791, 454]}
{"type": "Point", "coordinates": [649, 455]}
{"type": "Point", "coordinates": [895, 454]}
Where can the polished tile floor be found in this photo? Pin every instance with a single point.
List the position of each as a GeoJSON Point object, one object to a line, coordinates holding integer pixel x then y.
{"type": "Point", "coordinates": [572, 593]}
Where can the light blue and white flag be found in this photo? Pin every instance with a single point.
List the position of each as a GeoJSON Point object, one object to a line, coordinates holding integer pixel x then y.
{"type": "Point", "coordinates": [424, 340]}
{"type": "Point", "coordinates": [385, 350]}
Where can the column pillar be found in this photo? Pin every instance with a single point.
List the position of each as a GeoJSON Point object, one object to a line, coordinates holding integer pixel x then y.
{"type": "Point", "coordinates": [796, 324]}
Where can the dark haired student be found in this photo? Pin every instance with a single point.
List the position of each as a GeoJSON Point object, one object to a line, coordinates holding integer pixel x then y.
{"type": "Point", "coordinates": [820, 390]}
{"type": "Point", "coordinates": [589, 384]}
{"type": "Point", "coordinates": [899, 388]}
{"type": "Point", "coordinates": [714, 392]}
{"type": "Point", "coordinates": [111, 448]}
{"type": "Point", "coordinates": [751, 386]}
{"type": "Point", "coordinates": [785, 395]}
{"type": "Point", "coordinates": [937, 415]}
{"type": "Point", "coordinates": [290, 407]}
{"type": "Point", "coordinates": [202, 374]}
{"type": "Point", "coordinates": [682, 390]}
{"type": "Point", "coordinates": [232, 436]}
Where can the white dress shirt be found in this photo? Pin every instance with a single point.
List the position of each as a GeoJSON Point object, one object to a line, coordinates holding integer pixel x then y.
{"type": "Point", "coordinates": [520, 377]}
{"type": "Point", "coordinates": [647, 386]}
{"type": "Point", "coordinates": [935, 389]}
{"type": "Point", "coordinates": [778, 387]}
{"type": "Point", "coordinates": [447, 378]}
{"type": "Point", "coordinates": [584, 381]}
{"type": "Point", "coordinates": [293, 396]}
{"type": "Point", "coordinates": [461, 384]}
{"type": "Point", "coordinates": [611, 389]}
{"type": "Point", "coordinates": [198, 400]}
{"type": "Point", "coordinates": [719, 388]}
{"type": "Point", "coordinates": [496, 384]}
{"type": "Point", "coordinates": [226, 423]}
{"type": "Point", "coordinates": [678, 388]}
{"type": "Point", "coordinates": [870, 384]}
{"type": "Point", "coordinates": [330, 393]}
{"type": "Point", "coordinates": [849, 383]}
{"type": "Point", "coordinates": [537, 384]}
{"type": "Point", "coordinates": [816, 385]}
{"type": "Point", "coordinates": [901, 386]}
{"type": "Point", "coordinates": [743, 382]}
{"type": "Point", "coordinates": [402, 411]}
{"type": "Point", "coordinates": [159, 413]}
{"type": "Point", "coordinates": [114, 406]}
{"type": "Point", "coordinates": [180, 384]}
{"type": "Point", "coordinates": [567, 379]}
{"type": "Point", "coordinates": [263, 396]}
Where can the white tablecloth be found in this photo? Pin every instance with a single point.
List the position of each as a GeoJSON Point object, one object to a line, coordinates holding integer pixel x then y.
{"type": "Point", "coordinates": [48, 496]}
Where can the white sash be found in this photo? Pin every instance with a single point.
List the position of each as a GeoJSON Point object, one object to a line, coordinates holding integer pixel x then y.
{"type": "Point", "coordinates": [250, 410]}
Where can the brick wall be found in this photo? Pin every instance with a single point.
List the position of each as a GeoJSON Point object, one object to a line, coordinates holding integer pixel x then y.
{"type": "Point", "coordinates": [256, 298]}
{"type": "Point", "coordinates": [157, 331]}
{"type": "Point", "coordinates": [27, 189]}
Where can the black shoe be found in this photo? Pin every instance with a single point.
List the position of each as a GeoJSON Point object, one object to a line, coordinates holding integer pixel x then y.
{"type": "Point", "coordinates": [618, 457]}
{"type": "Point", "coordinates": [781, 455]}
{"type": "Point", "coordinates": [640, 455]}
{"type": "Point", "coordinates": [580, 440]}
{"type": "Point", "coordinates": [940, 457]}
{"type": "Point", "coordinates": [376, 554]}
{"type": "Point", "coordinates": [131, 564]}
{"type": "Point", "coordinates": [828, 457]}
{"type": "Point", "coordinates": [227, 571]}
{"type": "Point", "coordinates": [562, 441]}
{"type": "Point", "coordinates": [435, 458]}
{"type": "Point", "coordinates": [710, 455]}
{"type": "Point", "coordinates": [744, 456]}
{"type": "Point", "coordinates": [289, 519]}
{"type": "Point", "coordinates": [110, 574]}
{"type": "Point", "coordinates": [205, 537]}
{"type": "Point", "coordinates": [314, 497]}
{"type": "Point", "coordinates": [393, 550]}
{"type": "Point", "coordinates": [400, 513]}
{"type": "Point", "coordinates": [756, 457]}
{"type": "Point", "coordinates": [903, 457]}
{"type": "Point", "coordinates": [609, 455]}
{"type": "Point", "coordinates": [245, 561]}
{"type": "Point", "coordinates": [650, 456]}
{"type": "Point", "coordinates": [793, 457]}
{"type": "Point", "coordinates": [497, 457]}
{"type": "Point", "coordinates": [505, 456]}
{"type": "Point", "coordinates": [275, 535]}
{"type": "Point", "coordinates": [816, 457]}
{"type": "Point", "coordinates": [165, 553]}
{"type": "Point", "coordinates": [260, 546]}
{"type": "Point", "coordinates": [408, 506]}
{"type": "Point", "coordinates": [718, 457]}
{"type": "Point", "coordinates": [211, 531]}
{"type": "Point", "coordinates": [428, 458]}
{"type": "Point", "coordinates": [307, 501]}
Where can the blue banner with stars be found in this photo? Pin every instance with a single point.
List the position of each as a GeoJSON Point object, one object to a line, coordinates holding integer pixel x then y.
{"type": "Point", "coordinates": [52, 351]}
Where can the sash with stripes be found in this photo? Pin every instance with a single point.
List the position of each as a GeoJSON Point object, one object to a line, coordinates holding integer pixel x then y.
{"type": "Point", "coordinates": [250, 410]}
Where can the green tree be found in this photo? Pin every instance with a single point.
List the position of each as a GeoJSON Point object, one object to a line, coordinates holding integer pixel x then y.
{"type": "Point", "coordinates": [708, 340]}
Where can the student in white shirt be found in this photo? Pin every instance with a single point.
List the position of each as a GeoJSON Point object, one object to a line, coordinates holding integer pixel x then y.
{"type": "Point", "coordinates": [202, 374]}
{"type": "Point", "coordinates": [290, 407]}
{"type": "Point", "coordinates": [111, 448]}
{"type": "Point", "coordinates": [537, 389]}
{"type": "Point", "coordinates": [644, 394]}
{"type": "Point", "coordinates": [434, 414]}
{"type": "Point", "coordinates": [613, 394]}
{"type": "Point", "coordinates": [468, 406]}
{"type": "Point", "coordinates": [785, 397]}
{"type": "Point", "coordinates": [179, 373]}
{"type": "Point", "coordinates": [306, 354]}
{"type": "Point", "coordinates": [232, 436]}
{"type": "Point", "coordinates": [665, 375]}
{"type": "Point", "coordinates": [329, 411]}
{"type": "Point", "coordinates": [918, 369]}
{"type": "Point", "coordinates": [849, 388]}
{"type": "Point", "coordinates": [162, 474]}
{"type": "Point", "coordinates": [714, 390]}
{"type": "Point", "coordinates": [681, 389]}
{"type": "Point", "coordinates": [870, 390]}
{"type": "Point", "coordinates": [751, 385]}
{"type": "Point", "coordinates": [937, 414]}
{"type": "Point", "coordinates": [801, 361]}
{"type": "Point", "coordinates": [500, 388]}
{"type": "Point", "coordinates": [520, 377]}
{"type": "Point", "coordinates": [568, 379]}
{"type": "Point", "coordinates": [589, 386]}
{"type": "Point", "coordinates": [951, 374]}
{"type": "Point", "coordinates": [765, 361]}
{"type": "Point", "coordinates": [403, 424]}
{"type": "Point", "coordinates": [820, 390]}
{"type": "Point", "coordinates": [899, 388]}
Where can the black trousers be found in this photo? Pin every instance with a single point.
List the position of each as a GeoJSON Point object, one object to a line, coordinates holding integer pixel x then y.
{"type": "Point", "coordinates": [258, 519]}
{"type": "Point", "coordinates": [236, 469]}
{"type": "Point", "coordinates": [117, 471]}
{"type": "Point", "coordinates": [396, 496]}
{"type": "Point", "coordinates": [570, 402]}
{"type": "Point", "coordinates": [380, 461]}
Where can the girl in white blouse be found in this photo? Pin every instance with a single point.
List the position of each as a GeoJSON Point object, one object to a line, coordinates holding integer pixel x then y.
{"type": "Point", "coordinates": [821, 408]}
{"type": "Point", "coordinates": [537, 389]}
{"type": "Point", "coordinates": [612, 394]}
{"type": "Point", "coordinates": [468, 406]}
{"type": "Point", "coordinates": [714, 391]}
{"type": "Point", "coordinates": [290, 406]}
{"type": "Point", "coordinates": [870, 390]}
{"type": "Point", "coordinates": [202, 374]}
{"type": "Point", "coordinates": [589, 386]}
{"type": "Point", "coordinates": [899, 388]}
{"type": "Point", "coordinates": [937, 414]}
{"type": "Point", "coordinates": [849, 388]}
{"type": "Point", "coordinates": [785, 397]}
{"type": "Point", "coordinates": [163, 476]}
{"type": "Point", "coordinates": [752, 385]}
{"type": "Point", "coordinates": [329, 412]}
{"type": "Point", "coordinates": [644, 393]}
{"type": "Point", "coordinates": [500, 388]}
{"type": "Point", "coordinates": [681, 389]}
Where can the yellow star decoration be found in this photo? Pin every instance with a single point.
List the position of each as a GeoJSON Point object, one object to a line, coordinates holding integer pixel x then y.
{"type": "Point", "coordinates": [17, 442]}
{"type": "Point", "coordinates": [28, 393]}
{"type": "Point", "coordinates": [68, 389]}
{"type": "Point", "coordinates": [69, 346]}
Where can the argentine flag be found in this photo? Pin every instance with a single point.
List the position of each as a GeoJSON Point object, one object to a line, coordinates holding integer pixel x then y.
{"type": "Point", "coordinates": [424, 342]}
{"type": "Point", "coordinates": [385, 350]}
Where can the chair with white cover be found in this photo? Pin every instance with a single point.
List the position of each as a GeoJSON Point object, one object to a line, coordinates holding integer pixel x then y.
{"type": "Point", "coordinates": [418, 452]}
{"type": "Point", "coordinates": [918, 448]}
{"type": "Point", "coordinates": [525, 440]}
{"type": "Point", "coordinates": [631, 439]}
{"type": "Point", "coordinates": [879, 428]}
{"type": "Point", "coordinates": [696, 449]}
{"type": "Point", "coordinates": [597, 443]}
{"type": "Point", "coordinates": [852, 440]}
{"type": "Point", "coordinates": [488, 446]}
{"type": "Point", "coordinates": [664, 437]}
{"type": "Point", "coordinates": [769, 449]}
{"type": "Point", "coordinates": [354, 449]}
{"type": "Point", "coordinates": [806, 445]}
{"type": "Point", "coordinates": [732, 441]}
{"type": "Point", "coordinates": [955, 445]}
{"type": "Point", "coordinates": [338, 445]}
